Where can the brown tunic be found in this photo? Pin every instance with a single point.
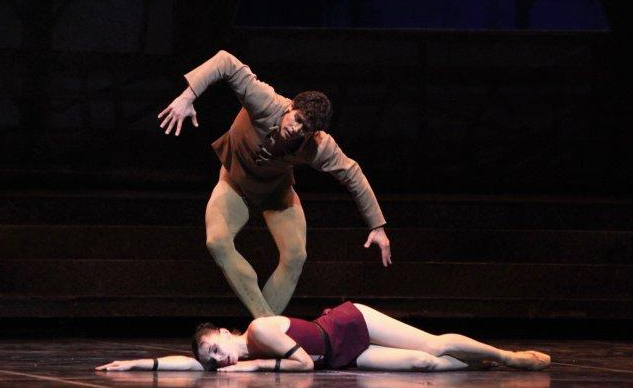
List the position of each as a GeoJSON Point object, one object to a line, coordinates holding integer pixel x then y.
{"type": "Point", "coordinates": [261, 113]}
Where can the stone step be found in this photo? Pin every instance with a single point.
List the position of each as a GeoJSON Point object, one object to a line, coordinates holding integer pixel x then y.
{"type": "Point", "coordinates": [149, 243]}
{"type": "Point", "coordinates": [323, 210]}
{"type": "Point", "coordinates": [320, 279]}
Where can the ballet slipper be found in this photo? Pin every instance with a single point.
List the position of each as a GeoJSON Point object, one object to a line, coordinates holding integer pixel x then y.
{"type": "Point", "coordinates": [529, 360]}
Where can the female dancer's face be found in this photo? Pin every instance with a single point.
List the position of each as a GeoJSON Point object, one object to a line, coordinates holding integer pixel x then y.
{"type": "Point", "coordinates": [219, 346]}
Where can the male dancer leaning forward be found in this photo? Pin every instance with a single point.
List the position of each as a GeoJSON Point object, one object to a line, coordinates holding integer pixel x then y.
{"type": "Point", "coordinates": [269, 135]}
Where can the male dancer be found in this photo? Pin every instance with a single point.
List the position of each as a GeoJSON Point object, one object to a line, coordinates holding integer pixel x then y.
{"type": "Point", "coordinates": [269, 135]}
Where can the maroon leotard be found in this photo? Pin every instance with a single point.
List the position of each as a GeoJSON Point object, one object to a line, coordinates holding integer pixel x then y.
{"type": "Point", "coordinates": [307, 335]}
{"type": "Point", "coordinates": [346, 330]}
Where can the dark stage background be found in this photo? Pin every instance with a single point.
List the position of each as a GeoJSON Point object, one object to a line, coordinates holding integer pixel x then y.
{"type": "Point", "coordinates": [496, 135]}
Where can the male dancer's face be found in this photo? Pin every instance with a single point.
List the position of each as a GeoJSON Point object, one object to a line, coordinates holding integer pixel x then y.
{"type": "Point", "coordinates": [291, 125]}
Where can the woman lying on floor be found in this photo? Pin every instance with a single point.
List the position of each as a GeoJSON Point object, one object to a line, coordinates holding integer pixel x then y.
{"type": "Point", "coordinates": [349, 335]}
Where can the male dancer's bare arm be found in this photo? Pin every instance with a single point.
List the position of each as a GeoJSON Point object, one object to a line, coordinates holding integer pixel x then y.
{"type": "Point", "coordinates": [330, 158]}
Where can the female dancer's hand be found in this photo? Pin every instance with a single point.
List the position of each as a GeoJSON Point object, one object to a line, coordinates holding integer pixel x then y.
{"type": "Point", "coordinates": [178, 111]}
{"type": "Point", "coordinates": [118, 365]}
{"type": "Point", "coordinates": [241, 366]}
{"type": "Point", "coordinates": [379, 237]}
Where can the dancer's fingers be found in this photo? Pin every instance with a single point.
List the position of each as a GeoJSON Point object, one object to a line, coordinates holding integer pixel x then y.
{"type": "Point", "coordinates": [178, 127]}
{"type": "Point", "coordinates": [385, 250]}
{"type": "Point", "coordinates": [194, 119]}
{"type": "Point", "coordinates": [171, 126]}
{"type": "Point", "coordinates": [166, 121]}
{"type": "Point", "coordinates": [164, 112]}
{"type": "Point", "coordinates": [368, 242]}
{"type": "Point", "coordinates": [104, 366]}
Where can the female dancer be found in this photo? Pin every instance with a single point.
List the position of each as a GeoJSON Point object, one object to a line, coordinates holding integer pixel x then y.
{"type": "Point", "coordinates": [349, 335]}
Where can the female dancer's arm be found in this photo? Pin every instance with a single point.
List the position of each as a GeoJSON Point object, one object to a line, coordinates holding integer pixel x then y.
{"type": "Point", "coordinates": [163, 363]}
{"type": "Point", "coordinates": [266, 335]}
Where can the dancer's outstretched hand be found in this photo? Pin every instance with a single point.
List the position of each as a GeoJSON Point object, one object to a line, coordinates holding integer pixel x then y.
{"type": "Point", "coordinates": [379, 237]}
{"type": "Point", "coordinates": [176, 113]}
{"type": "Point", "coordinates": [118, 366]}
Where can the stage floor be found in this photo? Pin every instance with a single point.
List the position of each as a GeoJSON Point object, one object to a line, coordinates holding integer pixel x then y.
{"type": "Point", "coordinates": [68, 362]}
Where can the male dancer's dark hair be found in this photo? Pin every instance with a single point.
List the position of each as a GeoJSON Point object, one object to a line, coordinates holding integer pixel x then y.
{"type": "Point", "coordinates": [315, 108]}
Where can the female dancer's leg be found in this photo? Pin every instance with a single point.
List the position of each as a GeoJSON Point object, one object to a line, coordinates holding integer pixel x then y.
{"type": "Point", "coordinates": [384, 358]}
{"type": "Point", "coordinates": [389, 332]}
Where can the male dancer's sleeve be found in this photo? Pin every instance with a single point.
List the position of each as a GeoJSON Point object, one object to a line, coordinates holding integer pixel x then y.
{"type": "Point", "coordinates": [327, 156]}
{"type": "Point", "coordinates": [257, 97]}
